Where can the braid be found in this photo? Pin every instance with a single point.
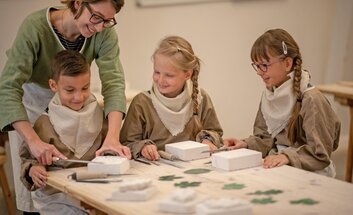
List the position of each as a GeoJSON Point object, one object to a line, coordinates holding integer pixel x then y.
{"type": "Point", "coordinates": [195, 92]}
{"type": "Point", "coordinates": [293, 122]}
{"type": "Point", "coordinates": [195, 89]}
{"type": "Point", "coordinates": [297, 77]}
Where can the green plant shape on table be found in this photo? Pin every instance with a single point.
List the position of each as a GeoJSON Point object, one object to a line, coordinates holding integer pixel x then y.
{"type": "Point", "coordinates": [267, 192]}
{"type": "Point", "coordinates": [305, 201]}
{"type": "Point", "coordinates": [233, 186]}
{"type": "Point", "coordinates": [197, 171]}
{"type": "Point", "coordinates": [263, 201]}
{"type": "Point", "coordinates": [185, 184]}
{"type": "Point", "coordinates": [169, 177]}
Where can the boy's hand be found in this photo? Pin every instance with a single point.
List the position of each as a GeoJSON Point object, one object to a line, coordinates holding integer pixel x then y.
{"type": "Point", "coordinates": [39, 176]}
{"type": "Point", "coordinates": [150, 152]}
{"type": "Point", "coordinates": [275, 161]}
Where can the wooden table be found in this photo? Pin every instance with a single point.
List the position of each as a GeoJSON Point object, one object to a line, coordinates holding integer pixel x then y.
{"type": "Point", "coordinates": [343, 93]}
{"type": "Point", "coordinates": [333, 196]}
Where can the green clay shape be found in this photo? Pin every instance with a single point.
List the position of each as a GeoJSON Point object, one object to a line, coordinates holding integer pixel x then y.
{"type": "Point", "coordinates": [185, 184]}
{"type": "Point", "coordinates": [197, 171]}
{"type": "Point", "coordinates": [233, 186]}
{"type": "Point", "coordinates": [169, 177]}
{"type": "Point", "coordinates": [305, 201]}
{"type": "Point", "coordinates": [267, 192]}
{"type": "Point", "coordinates": [263, 201]}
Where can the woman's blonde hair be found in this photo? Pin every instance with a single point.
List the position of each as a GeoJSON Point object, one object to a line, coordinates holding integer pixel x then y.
{"type": "Point", "coordinates": [278, 42]}
{"type": "Point", "coordinates": [118, 4]}
{"type": "Point", "coordinates": [183, 58]}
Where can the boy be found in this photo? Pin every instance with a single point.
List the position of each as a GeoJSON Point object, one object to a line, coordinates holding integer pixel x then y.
{"type": "Point", "coordinates": [73, 122]}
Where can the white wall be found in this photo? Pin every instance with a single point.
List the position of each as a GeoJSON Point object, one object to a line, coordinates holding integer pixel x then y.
{"type": "Point", "coordinates": [340, 60]}
{"type": "Point", "coordinates": [222, 34]}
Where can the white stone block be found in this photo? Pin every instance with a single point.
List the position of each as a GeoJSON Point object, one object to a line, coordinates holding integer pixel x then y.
{"type": "Point", "coordinates": [109, 165]}
{"type": "Point", "coordinates": [135, 190]}
{"type": "Point", "coordinates": [236, 159]}
{"type": "Point", "coordinates": [182, 201]}
{"type": "Point", "coordinates": [224, 206]}
{"type": "Point", "coordinates": [188, 150]}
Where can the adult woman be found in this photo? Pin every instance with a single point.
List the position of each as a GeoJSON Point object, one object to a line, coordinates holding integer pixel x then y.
{"type": "Point", "coordinates": [85, 26]}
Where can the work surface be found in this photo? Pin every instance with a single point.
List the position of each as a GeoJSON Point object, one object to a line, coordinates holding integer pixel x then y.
{"type": "Point", "coordinates": [282, 190]}
{"type": "Point", "coordinates": [343, 89]}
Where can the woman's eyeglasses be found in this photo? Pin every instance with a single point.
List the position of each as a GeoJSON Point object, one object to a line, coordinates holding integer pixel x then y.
{"type": "Point", "coordinates": [96, 19]}
{"type": "Point", "coordinates": [264, 66]}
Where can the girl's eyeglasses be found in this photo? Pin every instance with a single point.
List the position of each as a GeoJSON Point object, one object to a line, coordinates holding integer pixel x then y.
{"type": "Point", "coordinates": [264, 66]}
{"type": "Point", "coordinates": [96, 19]}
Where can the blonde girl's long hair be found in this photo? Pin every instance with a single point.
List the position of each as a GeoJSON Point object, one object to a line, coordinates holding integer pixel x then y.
{"type": "Point", "coordinates": [278, 42]}
{"type": "Point", "coordinates": [182, 56]}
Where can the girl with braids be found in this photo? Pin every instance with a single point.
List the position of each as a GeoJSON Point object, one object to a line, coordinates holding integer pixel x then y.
{"type": "Point", "coordinates": [295, 123]}
{"type": "Point", "coordinates": [175, 109]}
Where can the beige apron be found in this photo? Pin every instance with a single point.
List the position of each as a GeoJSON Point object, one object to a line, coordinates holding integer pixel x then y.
{"type": "Point", "coordinates": [35, 100]}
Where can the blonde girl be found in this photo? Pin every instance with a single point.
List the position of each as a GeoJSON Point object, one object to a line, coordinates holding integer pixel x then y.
{"type": "Point", "coordinates": [175, 109]}
{"type": "Point", "coordinates": [295, 123]}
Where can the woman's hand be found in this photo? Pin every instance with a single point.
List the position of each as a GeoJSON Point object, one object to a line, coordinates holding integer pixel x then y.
{"type": "Point", "coordinates": [150, 152]}
{"type": "Point", "coordinates": [42, 151]}
{"type": "Point", "coordinates": [233, 143]}
{"type": "Point", "coordinates": [111, 142]}
{"type": "Point", "coordinates": [39, 176]}
{"type": "Point", "coordinates": [275, 161]}
{"type": "Point", "coordinates": [113, 145]}
{"type": "Point", "coordinates": [45, 152]}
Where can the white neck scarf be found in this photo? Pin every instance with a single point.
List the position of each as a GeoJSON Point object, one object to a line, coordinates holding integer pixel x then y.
{"type": "Point", "coordinates": [76, 129]}
{"type": "Point", "coordinates": [176, 112]}
{"type": "Point", "coordinates": [277, 105]}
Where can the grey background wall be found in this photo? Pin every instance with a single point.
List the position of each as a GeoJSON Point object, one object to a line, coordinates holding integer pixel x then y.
{"type": "Point", "coordinates": [222, 34]}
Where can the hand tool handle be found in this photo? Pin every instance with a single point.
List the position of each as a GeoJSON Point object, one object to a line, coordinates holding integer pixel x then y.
{"type": "Point", "coordinates": [166, 155]}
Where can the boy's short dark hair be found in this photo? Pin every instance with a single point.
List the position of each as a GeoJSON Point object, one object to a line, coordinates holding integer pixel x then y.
{"type": "Point", "coordinates": [69, 63]}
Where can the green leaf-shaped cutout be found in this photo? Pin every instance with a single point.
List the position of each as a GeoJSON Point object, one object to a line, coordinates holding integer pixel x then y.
{"type": "Point", "coordinates": [305, 201]}
{"type": "Point", "coordinates": [266, 192]}
{"type": "Point", "coordinates": [233, 186]}
{"type": "Point", "coordinates": [169, 177]}
{"type": "Point", "coordinates": [185, 184]}
{"type": "Point", "coordinates": [263, 201]}
{"type": "Point", "coordinates": [197, 171]}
